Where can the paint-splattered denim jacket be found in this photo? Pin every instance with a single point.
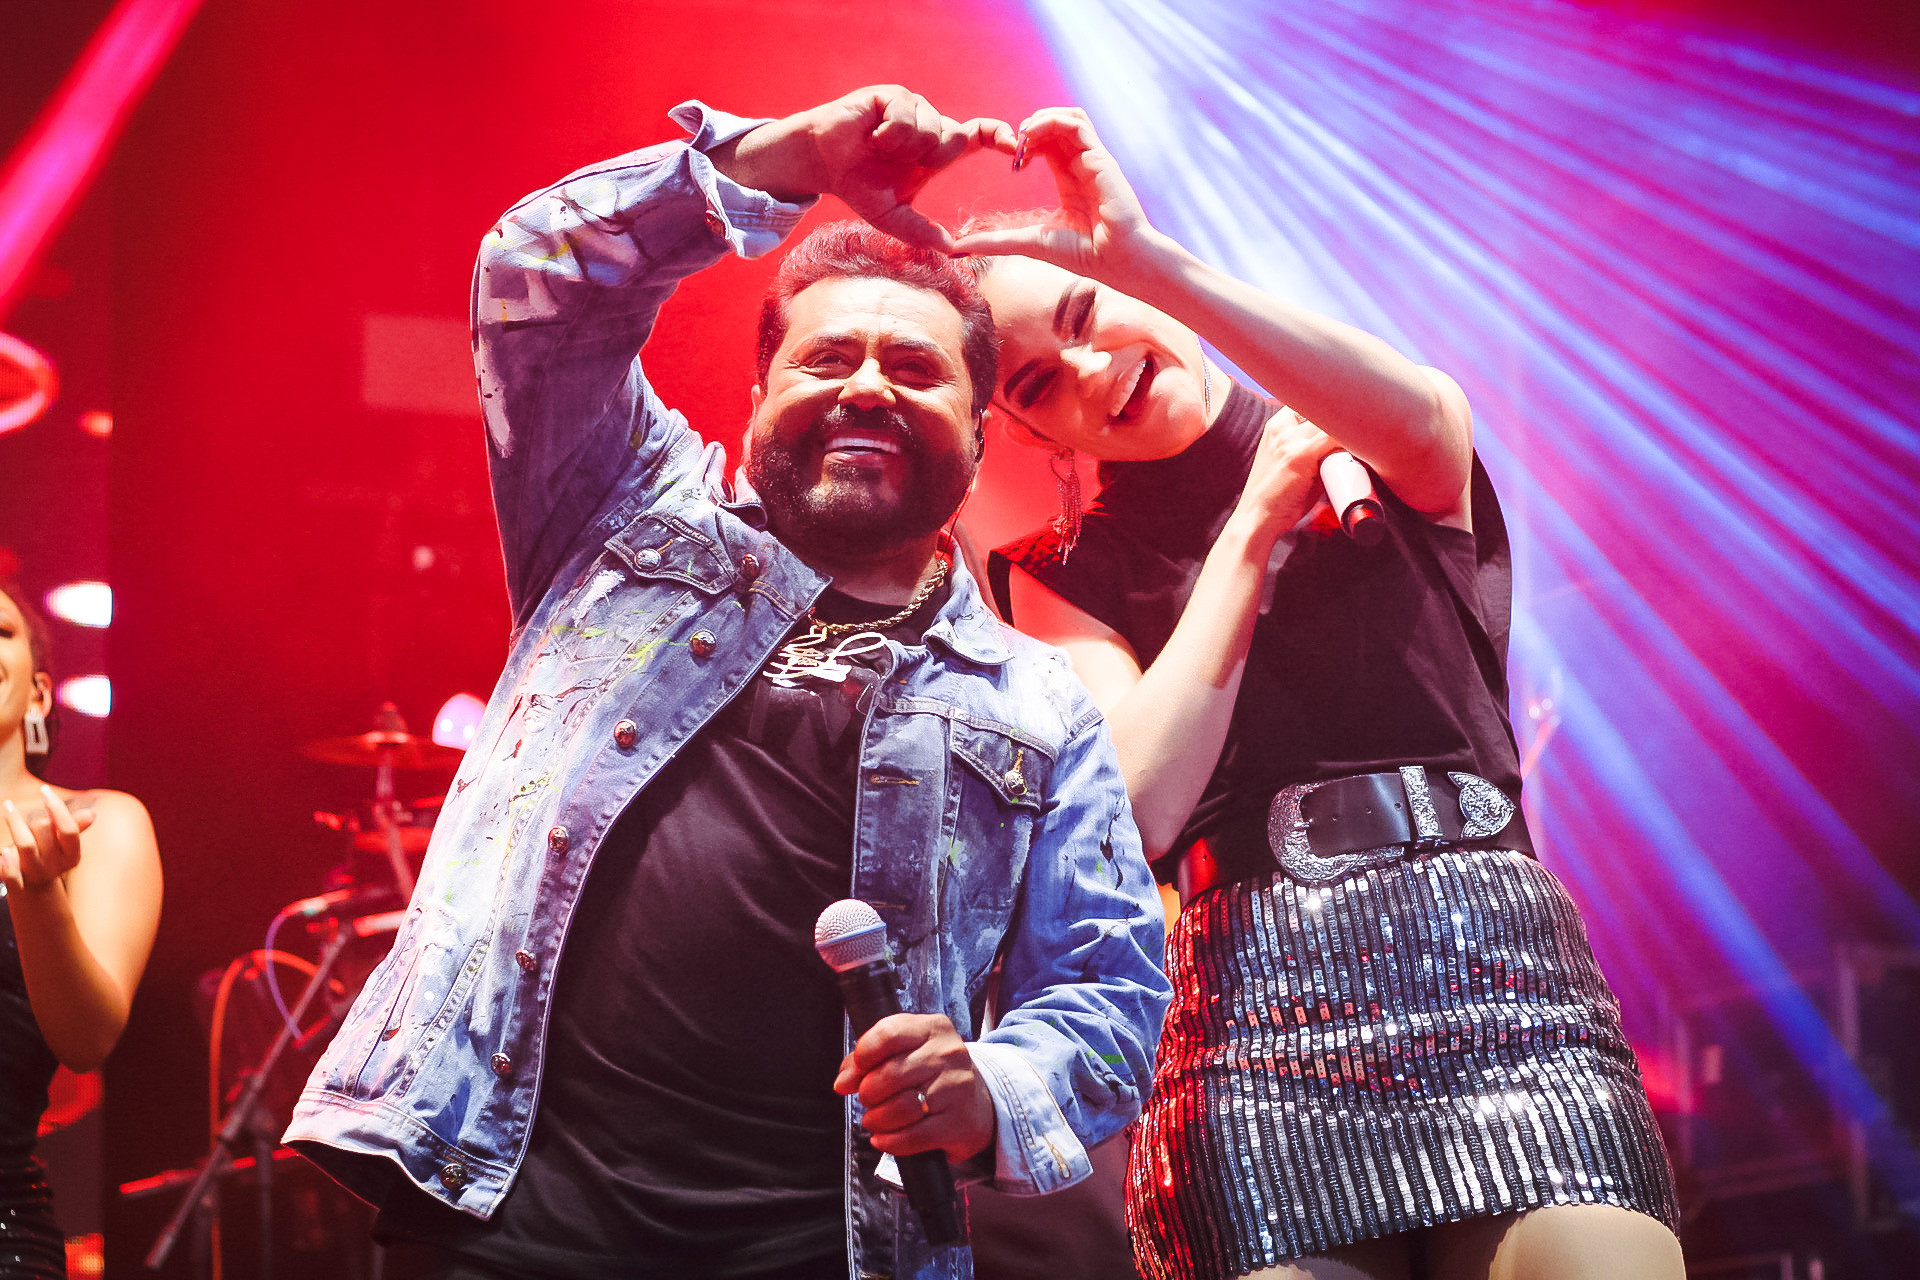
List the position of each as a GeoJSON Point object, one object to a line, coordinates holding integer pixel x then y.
{"type": "Point", "coordinates": [990, 817]}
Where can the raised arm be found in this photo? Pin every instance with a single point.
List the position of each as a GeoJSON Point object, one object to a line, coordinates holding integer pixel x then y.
{"type": "Point", "coordinates": [566, 290]}
{"type": "Point", "coordinates": [85, 906]}
{"type": "Point", "coordinates": [569, 283]}
{"type": "Point", "coordinates": [1410, 424]}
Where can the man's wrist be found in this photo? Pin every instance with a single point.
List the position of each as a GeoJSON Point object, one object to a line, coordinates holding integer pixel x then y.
{"type": "Point", "coordinates": [777, 157]}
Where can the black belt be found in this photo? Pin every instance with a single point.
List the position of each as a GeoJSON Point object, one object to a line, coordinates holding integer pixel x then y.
{"type": "Point", "coordinates": [1321, 831]}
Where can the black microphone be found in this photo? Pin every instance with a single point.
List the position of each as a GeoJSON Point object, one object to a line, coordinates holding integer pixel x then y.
{"type": "Point", "coordinates": [851, 939]}
{"type": "Point", "coordinates": [1350, 490]}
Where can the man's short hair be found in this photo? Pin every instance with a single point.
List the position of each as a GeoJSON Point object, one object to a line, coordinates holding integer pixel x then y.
{"type": "Point", "coordinates": [843, 250]}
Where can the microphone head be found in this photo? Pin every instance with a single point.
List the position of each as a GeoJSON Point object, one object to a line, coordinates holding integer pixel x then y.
{"type": "Point", "coordinates": [849, 934]}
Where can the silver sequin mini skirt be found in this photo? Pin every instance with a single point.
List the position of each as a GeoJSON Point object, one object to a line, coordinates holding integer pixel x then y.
{"type": "Point", "coordinates": [1417, 1043]}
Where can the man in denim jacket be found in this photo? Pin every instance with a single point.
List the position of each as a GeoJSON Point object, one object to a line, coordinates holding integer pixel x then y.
{"type": "Point", "coordinates": [561, 1069]}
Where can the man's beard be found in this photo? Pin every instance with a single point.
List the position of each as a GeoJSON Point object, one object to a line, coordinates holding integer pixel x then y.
{"type": "Point", "coordinates": [843, 515]}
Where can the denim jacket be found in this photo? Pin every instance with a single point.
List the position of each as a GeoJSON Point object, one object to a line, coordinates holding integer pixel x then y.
{"type": "Point", "coordinates": [990, 818]}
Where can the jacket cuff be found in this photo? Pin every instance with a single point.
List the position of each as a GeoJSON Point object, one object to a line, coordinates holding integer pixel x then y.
{"type": "Point", "coordinates": [752, 221]}
{"type": "Point", "coordinates": [1035, 1149]}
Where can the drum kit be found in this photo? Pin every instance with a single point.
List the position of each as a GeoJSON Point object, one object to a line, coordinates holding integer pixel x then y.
{"type": "Point", "coordinates": [366, 898]}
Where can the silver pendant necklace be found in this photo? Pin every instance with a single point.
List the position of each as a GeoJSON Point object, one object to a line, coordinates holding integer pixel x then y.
{"type": "Point", "coordinates": [808, 654]}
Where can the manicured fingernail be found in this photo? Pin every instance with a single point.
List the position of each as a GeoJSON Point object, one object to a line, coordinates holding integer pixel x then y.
{"type": "Point", "coordinates": [1019, 152]}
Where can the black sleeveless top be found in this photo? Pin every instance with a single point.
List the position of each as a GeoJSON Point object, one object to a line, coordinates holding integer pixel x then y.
{"type": "Point", "coordinates": [1367, 658]}
{"type": "Point", "coordinates": [26, 1063]}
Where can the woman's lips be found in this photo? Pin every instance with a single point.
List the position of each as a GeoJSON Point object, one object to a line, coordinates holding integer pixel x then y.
{"type": "Point", "coordinates": [1138, 392]}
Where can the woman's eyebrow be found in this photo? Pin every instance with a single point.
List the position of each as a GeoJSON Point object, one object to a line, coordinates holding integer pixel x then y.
{"type": "Point", "coordinates": [1019, 376]}
{"type": "Point", "coordinates": [1060, 307]}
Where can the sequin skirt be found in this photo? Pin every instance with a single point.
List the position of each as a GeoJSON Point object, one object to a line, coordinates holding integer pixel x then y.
{"type": "Point", "coordinates": [30, 1240]}
{"type": "Point", "coordinates": [1418, 1043]}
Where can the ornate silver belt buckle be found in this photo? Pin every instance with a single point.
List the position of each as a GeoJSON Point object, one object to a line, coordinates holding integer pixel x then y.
{"type": "Point", "coordinates": [1485, 809]}
{"type": "Point", "coordinates": [1287, 837]}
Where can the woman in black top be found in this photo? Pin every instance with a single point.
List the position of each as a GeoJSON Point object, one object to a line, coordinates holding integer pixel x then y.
{"type": "Point", "coordinates": [1389, 1040]}
{"type": "Point", "coordinates": [80, 911]}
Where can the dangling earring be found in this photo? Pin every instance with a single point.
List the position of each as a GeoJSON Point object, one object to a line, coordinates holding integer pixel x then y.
{"type": "Point", "coordinates": [1066, 476]}
{"type": "Point", "coordinates": [35, 724]}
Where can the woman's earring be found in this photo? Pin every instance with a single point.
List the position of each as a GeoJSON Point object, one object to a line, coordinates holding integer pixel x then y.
{"type": "Point", "coordinates": [1066, 476]}
{"type": "Point", "coordinates": [35, 724]}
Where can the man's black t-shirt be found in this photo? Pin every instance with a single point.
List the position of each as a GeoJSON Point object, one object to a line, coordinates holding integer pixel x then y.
{"type": "Point", "coordinates": [687, 1123]}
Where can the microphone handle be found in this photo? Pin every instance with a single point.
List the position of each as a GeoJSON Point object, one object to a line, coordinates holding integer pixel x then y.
{"type": "Point", "coordinates": [1350, 491]}
{"type": "Point", "coordinates": [871, 993]}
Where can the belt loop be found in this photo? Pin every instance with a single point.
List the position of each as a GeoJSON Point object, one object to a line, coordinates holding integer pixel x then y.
{"type": "Point", "coordinates": [1426, 819]}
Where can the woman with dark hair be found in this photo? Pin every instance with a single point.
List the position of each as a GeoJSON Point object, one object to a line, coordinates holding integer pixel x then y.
{"type": "Point", "coordinates": [80, 878]}
{"type": "Point", "coordinates": [1390, 1050]}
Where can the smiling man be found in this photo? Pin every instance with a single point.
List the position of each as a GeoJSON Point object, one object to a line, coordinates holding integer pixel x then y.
{"type": "Point", "coordinates": [603, 1045]}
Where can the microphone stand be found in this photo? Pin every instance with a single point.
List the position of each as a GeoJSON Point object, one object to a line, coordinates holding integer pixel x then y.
{"type": "Point", "coordinates": [219, 1161]}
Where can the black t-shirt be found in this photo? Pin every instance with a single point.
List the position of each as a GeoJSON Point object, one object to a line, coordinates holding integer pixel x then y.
{"type": "Point", "coordinates": [687, 1123]}
{"type": "Point", "coordinates": [1368, 658]}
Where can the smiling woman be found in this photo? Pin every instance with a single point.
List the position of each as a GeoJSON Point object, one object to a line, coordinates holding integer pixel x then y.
{"type": "Point", "coordinates": [80, 879]}
{"type": "Point", "coordinates": [1314, 736]}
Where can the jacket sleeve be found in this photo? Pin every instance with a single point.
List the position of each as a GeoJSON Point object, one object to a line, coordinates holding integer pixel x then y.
{"type": "Point", "coordinates": [565, 291]}
{"type": "Point", "coordinates": [1083, 990]}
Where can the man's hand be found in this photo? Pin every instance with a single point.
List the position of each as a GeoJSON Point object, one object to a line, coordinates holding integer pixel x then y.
{"type": "Point", "coordinates": [917, 1081]}
{"type": "Point", "coordinates": [875, 148]}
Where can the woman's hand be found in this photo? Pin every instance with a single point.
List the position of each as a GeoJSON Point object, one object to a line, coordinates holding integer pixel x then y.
{"type": "Point", "coordinates": [1284, 482]}
{"type": "Point", "coordinates": [1100, 225]}
{"type": "Point", "coordinates": [35, 854]}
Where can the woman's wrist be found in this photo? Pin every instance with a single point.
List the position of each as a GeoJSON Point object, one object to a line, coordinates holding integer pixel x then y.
{"type": "Point", "coordinates": [1250, 534]}
{"type": "Point", "coordinates": [1147, 264]}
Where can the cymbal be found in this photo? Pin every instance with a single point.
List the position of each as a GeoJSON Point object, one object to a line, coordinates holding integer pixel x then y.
{"type": "Point", "coordinates": [376, 747]}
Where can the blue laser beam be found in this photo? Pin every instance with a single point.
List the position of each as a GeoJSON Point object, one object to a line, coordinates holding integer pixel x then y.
{"type": "Point", "coordinates": [1679, 275]}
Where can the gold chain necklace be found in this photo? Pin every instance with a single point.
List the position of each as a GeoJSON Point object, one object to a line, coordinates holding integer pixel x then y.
{"type": "Point", "coordinates": [807, 654]}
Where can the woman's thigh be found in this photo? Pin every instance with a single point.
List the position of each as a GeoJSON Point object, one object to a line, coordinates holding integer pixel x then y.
{"type": "Point", "coordinates": [1387, 1258]}
{"type": "Point", "coordinates": [1559, 1242]}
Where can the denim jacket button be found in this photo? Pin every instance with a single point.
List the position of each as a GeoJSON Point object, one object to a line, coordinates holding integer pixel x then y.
{"type": "Point", "coordinates": [558, 840]}
{"type": "Point", "coordinates": [1016, 784]}
{"type": "Point", "coordinates": [502, 1065]}
{"type": "Point", "coordinates": [703, 643]}
{"type": "Point", "coordinates": [454, 1175]}
{"type": "Point", "coordinates": [526, 961]}
{"type": "Point", "coordinates": [749, 566]}
{"type": "Point", "coordinates": [647, 558]}
{"type": "Point", "coordinates": [625, 734]}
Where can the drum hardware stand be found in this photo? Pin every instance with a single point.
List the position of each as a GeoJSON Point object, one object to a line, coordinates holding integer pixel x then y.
{"type": "Point", "coordinates": [202, 1196]}
{"type": "Point", "coordinates": [384, 813]}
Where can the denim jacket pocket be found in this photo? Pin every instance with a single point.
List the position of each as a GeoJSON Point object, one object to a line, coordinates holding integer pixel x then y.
{"type": "Point", "coordinates": [661, 544]}
{"type": "Point", "coordinates": [1013, 767]}
{"type": "Point", "coordinates": [428, 987]}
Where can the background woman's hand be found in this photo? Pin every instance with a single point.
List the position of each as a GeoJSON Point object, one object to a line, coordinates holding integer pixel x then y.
{"type": "Point", "coordinates": [36, 852]}
{"type": "Point", "coordinates": [1100, 223]}
{"type": "Point", "coordinates": [1284, 482]}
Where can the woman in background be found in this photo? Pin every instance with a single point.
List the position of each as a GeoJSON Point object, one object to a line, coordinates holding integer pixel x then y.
{"type": "Point", "coordinates": [1390, 1051]}
{"type": "Point", "coordinates": [80, 880]}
